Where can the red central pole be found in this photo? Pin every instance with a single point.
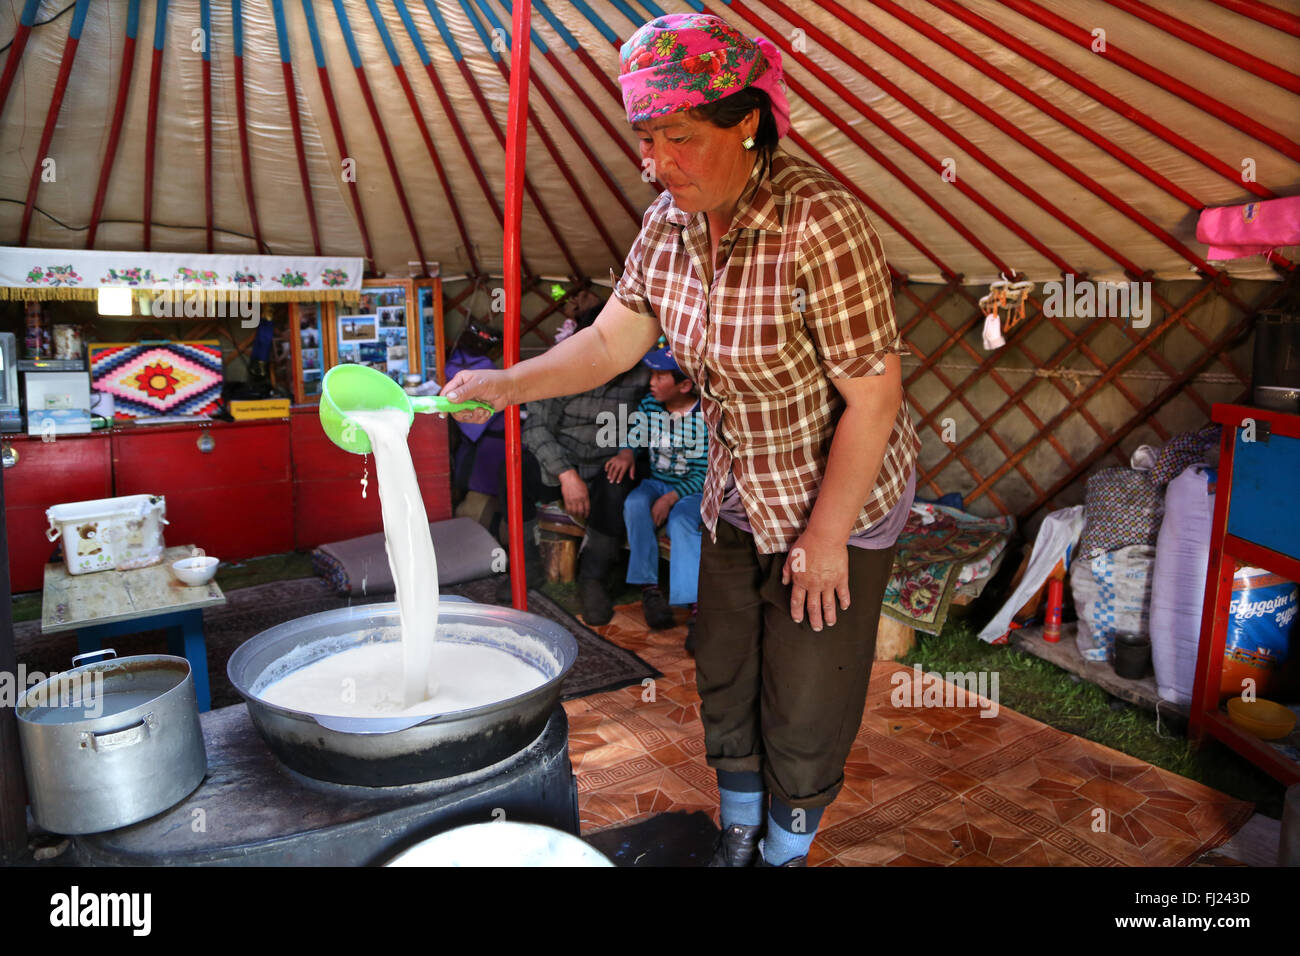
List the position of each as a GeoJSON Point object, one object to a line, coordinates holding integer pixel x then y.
{"type": "Point", "coordinates": [516, 141]}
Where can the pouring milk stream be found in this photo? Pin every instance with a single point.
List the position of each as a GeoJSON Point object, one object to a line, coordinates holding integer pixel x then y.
{"type": "Point", "coordinates": [409, 546]}
{"type": "Point", "coordinates": [390, 678]}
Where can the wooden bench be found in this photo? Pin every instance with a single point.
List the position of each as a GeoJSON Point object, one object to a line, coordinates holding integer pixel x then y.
{"type": "Point", "coordinates": [560, 535]}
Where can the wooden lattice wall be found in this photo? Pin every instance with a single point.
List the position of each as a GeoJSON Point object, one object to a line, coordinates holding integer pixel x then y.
{"type": "Point", "coordinates": [1018, 430]}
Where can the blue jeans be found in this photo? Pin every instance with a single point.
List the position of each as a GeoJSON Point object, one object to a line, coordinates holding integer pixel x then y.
{"type": "Point", "coordinates": [683, 532]}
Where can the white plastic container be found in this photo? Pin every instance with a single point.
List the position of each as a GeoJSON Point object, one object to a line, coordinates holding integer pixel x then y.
{"type": "Point", "coordinates": [109, 534]}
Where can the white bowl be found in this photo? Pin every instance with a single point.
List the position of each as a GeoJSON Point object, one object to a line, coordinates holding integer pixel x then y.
{"type": "Point", "coordinates": [195, 572]}
{"type": "Point", "coordinates": [501, 843]}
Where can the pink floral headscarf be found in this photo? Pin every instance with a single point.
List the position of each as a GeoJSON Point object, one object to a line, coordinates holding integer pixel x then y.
{"type": "Point", "coordinates": [685, 60]}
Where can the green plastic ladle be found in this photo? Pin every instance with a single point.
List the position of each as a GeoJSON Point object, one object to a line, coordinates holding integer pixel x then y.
{"type": "Point", "coordinates": [349, 388]}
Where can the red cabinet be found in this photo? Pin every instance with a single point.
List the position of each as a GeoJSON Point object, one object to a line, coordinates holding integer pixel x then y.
{"type": "Point", "coordinates": [235, 489]}
{"type": "Point", "coordinates": [328, 505]}
{"type": "Point", "coordinates": [229, 486]}
{"type": "Point", "coordinates": [71, 468]}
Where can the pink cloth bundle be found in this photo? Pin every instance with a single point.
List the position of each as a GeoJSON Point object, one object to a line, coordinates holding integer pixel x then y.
{"type": "Point", "coordinates": [1254, 229]}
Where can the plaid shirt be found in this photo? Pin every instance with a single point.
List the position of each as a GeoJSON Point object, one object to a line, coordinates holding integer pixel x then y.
{"type": "Point", "coordinates": [564, 432]}
{"type": "Point", "coordinates": [802, 297]}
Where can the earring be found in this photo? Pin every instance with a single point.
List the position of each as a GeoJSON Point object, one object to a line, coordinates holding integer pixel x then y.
{"type": "Point", "coordinates": [747, 142]}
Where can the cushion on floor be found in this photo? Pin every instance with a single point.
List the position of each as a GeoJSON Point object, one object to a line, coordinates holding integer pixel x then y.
{"type": "Point", "coordinates": [464, 548]}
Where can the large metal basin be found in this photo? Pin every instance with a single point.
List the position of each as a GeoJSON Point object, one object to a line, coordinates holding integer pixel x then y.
{"type": "Point", "coordinates": [382, 751]}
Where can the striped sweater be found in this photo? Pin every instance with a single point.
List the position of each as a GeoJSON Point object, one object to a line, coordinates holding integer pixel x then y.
{"type": "Point", "coordinates": [678, 444]}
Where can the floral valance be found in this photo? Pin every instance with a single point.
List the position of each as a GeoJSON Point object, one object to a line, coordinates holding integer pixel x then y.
{"type": "Point", "coordinates": [81, 273]}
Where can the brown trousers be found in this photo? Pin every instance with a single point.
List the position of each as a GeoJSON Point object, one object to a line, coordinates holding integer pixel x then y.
{"type": "Point", "coordinates": [779, 697]}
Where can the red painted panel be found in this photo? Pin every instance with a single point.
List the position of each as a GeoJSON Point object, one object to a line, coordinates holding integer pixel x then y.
{"type": "Point", "coordinates": [328, 505]}
{"type": "Point", "coordinates": [50, 473]}
{"type": "Point", "coordinates": [234, 502]}
{"type": "Point", "coordinates": [74, 468]}
{"type": "Point", "coordinates": [246, 455]}
{"type": "Point", "coordinates": [29, 549]}
{"type": "Point", "coordinates": [333, 510]}
{"type": "Point", "coordinates": [232, 523]}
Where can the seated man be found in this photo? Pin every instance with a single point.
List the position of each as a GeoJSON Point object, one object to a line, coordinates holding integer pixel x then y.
{"type": "Point", "coordinates": [669, 423]}
{"type": "Point", "coordinates": [564, 458]}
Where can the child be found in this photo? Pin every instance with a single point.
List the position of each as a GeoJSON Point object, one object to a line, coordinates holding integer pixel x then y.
{"type": "Point", "coordinates": [667, 422]}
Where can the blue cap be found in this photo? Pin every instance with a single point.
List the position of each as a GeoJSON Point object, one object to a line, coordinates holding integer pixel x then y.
{"type": "Point", "coordinates": [660, 359]}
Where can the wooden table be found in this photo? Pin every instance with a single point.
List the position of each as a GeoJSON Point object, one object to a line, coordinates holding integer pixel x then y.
{"type": "Point", "coordinates": [107, 604]}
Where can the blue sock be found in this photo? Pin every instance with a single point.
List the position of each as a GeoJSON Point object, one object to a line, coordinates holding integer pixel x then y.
{"type": "Point", "coordinates": [742, 798]}
{"type": "Point", "coordinates": [790, 832]}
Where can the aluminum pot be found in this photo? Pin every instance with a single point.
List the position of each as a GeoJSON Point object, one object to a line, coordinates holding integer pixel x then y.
{"type": "Point", "coordinates": [111, 743]}
{"type": "Point", "coordinates": [384, 751]}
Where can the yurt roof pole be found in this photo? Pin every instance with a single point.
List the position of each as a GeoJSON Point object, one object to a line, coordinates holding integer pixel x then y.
{"type": "Point", "coordinates": [1014, 131]}
{"type": "Point", "coordinates": [874, 206]}
{"type": "Point", "coordinates": [52, 114]}
{"type": "Point", "coordinates": [205, 23]}
{"type": "Point", "coordinates": [16, 48]}
{"type": "Point", "coordinates": [966, 145]}
{"type": "Point", "coordinates": [241, 120]}
{"type": "Point", "coordinates": [864, 144]}
{"type": "Point", "coordinates": [414, 105]}
{"type": "Point", "coordinates": [381, 134]}
{"type": "Point", "coordinates": [423, 53]}
{"type": "Point", "coordinates": [1210, 44]}
{"type": "Point", "coordinates": [472, 85]}
{"type": "Point", "coordinates": [119, 113]}
{"type": "Point", "coordinates": [1100, 94]}
{"type": "Point", "coordinates": [516, 141]}
{"type": "Point", "coordinates": [580, 139]}
{"type": "Point", "coordinates": [151, 126]}
{"type": "Point", "coordinates": [332, 109]}
{"type": "Point", "coordinates": [556, 157]}
{"type": "Point", "coordinates": [1025, 139]}
{"type": "Point", "coordinates": [1105, 143]}
{"type": "Point", "coordinates": [1271, 16]}
{"type": "Point", "coordinates": [619, 138]}
{"type": "Point", "coordinates": [291, 97]}
{"type": "Point", "coordinates": [1216, 108]}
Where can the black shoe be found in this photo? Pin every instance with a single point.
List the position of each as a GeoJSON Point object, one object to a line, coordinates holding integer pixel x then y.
{"type": "Point", "coordinates": [797, 861]}
{"type": "Point", "coordinates": [657, 612]}
{"type": "Point", "coordinates": [597, 608]}
{"type": "Point", "coordinates": [737, 846]}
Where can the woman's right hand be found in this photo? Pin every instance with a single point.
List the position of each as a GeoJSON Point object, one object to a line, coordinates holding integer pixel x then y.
{"type": "Point", "coordinates": [493, 386]}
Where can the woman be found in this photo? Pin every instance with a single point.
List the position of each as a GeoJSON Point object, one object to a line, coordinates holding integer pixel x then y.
{"type": "Point", "coordinates": [771, 288]}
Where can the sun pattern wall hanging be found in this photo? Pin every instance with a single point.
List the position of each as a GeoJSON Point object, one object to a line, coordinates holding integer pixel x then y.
{"type": "Point", "coordinates": [172, 378]}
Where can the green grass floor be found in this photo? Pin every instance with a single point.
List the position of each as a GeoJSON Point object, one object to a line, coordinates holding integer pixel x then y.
{"type": "Point", "coordinates": [1027, 685]}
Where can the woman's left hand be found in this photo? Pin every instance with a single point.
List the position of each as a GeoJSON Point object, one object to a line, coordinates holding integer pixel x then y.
{"type": "Point", "coordinates": [819, 570]}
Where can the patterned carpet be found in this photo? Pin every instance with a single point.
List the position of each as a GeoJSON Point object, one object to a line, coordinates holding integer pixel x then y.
{"type": "Point", "coordinates": [923, 786]}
